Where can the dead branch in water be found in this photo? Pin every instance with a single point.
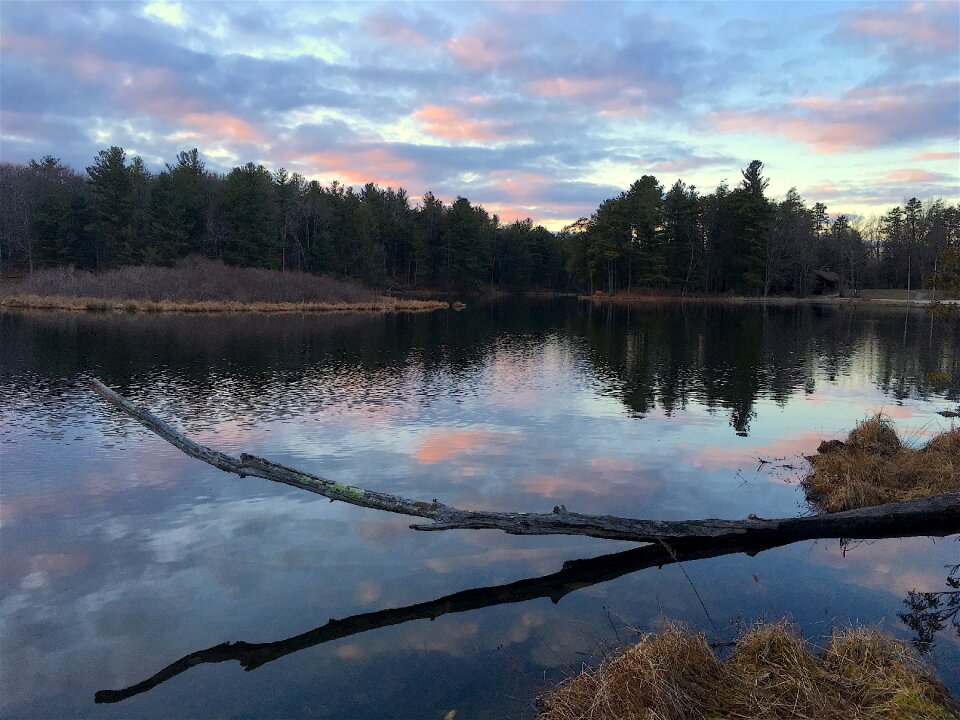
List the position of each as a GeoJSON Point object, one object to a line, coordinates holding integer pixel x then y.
{"type": "Point", "coordinates": [935, 515]}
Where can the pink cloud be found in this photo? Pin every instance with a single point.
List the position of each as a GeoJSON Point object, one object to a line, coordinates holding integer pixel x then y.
{"type": "Point", "coordinates": [614, 95]}
{"type": "Point", "coordinates": [448, 444]}
{"type": "Point", "coordinates": [542, 210]}
{"type": "Point", "coordinates": [518, 182]}
{"type": "Point", "coordinates": [611, 464]}
{"type": "Point", "coordinates": [350, 652]}
{"type": "Point", "coordinates": [475, 52]}
{"type": "Point", "coordinates": [826, 137]}
{"type": "Point", "coordinates": [862, 117]}
{"type": "Point", "coordinates": [896, 412]}
{"type": "Point", "coordinates": [376, 165]}
{"type": "Point", "coordinates": [508, 212]}
{"type": "Point", "coordinates": [917, 24]}
{"type": "Point", "coordinates": [368, 592]}
{"type": "Point", "coordinates": [567, 87]}
{"type": "Point", "coordinates": [152, 91]}
{"type": "Point", "coordinates": [452, 123]}
{"type": "Point", "coordinates": [88, 66]}
{"type": "Point", "coordinates": [733, 456]}
{"type": "Point", "coordinates": [557, 486]}
{"type": "Point", "coordinates": [822, 190]}
{"type": "Point", "coordinates": [11, 42]}
{"type": "Point", "coordinates": [225, 126]}
{"type": "Point", "coordinates": [914, 175]}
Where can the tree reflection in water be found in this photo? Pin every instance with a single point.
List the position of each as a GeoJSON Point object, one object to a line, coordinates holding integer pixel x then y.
{"type": "Point", "coordinates": [930, 613]}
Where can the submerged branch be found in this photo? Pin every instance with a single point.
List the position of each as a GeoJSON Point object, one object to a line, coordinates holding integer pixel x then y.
{"type": "Point", "coordinates": [934, 515]}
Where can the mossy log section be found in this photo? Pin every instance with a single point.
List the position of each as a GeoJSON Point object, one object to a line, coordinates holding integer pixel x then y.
{"type": "Point", "coordinates": [935, 515]}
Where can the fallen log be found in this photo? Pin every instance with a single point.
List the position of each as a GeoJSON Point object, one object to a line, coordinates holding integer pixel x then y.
{"type": "Point", "coordinates": [937, 515]}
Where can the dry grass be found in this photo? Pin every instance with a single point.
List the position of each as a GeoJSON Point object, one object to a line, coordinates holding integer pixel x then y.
{"type": "Point", "coordinates": [90, 304]}
{"type": "Point", "coordinates": [874, 467]}
{"type": "Point", "coordinates": [198, 285]}
{"type": "Point", "coordinates": [771, 675]}
{"type": "Point", "coordinates": [193, 279]}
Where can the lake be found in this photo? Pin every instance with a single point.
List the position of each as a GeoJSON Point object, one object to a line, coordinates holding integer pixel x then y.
{"type": "Point", "coordinates": [121, 555]}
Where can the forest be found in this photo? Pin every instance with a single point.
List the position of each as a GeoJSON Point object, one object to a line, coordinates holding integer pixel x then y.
{"type": "Point", "coordinates": [732, 240]}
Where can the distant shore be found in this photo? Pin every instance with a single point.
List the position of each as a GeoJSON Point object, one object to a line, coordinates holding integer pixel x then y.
{"type": "Point", "coordinates": [636, 299]}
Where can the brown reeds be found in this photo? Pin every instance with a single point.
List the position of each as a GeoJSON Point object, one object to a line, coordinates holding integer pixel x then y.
{"type": "Point", "coordinates": [874, 466]}
{"type": "Point", "coordinates": [772, 674]}
{"type": "Point", "coordinates": [88, 304]}
{"type": "Point", "coordinates": [199, 285]}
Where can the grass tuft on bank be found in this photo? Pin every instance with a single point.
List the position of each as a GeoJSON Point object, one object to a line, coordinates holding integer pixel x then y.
{"type": "Point", "coordinates": [875, 466]}
{"type": "Point", "coordinates": [198, 285]}
{"type": "Point", "coordinates": [772, 674]}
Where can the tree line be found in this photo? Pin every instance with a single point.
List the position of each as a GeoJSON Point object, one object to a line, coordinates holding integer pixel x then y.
{"type": "Point", "coordinates": [732, 240]}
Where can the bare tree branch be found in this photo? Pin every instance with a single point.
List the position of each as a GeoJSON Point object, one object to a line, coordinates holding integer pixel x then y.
{"type": "Point", "coordinates": [935, 515]}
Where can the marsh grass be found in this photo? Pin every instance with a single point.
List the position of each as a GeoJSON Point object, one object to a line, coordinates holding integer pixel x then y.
{"type": "Point", "coordinates": [86, 304]}
{"type": "Point", "coordinates": [198, 285]}
{"type": "Point", "coordinates": [875, 466]}
{"type": "Point", "coordinates": [772, 674]}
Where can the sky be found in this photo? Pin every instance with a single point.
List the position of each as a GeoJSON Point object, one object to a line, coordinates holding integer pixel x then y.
{"type": "Point", "coordinates": [532, 109]}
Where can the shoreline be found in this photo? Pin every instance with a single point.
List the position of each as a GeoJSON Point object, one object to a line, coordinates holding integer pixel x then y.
{"type": "Point", "coordinates": [90, 304]}
{"type": "Point", "coordinates": [772, 300]}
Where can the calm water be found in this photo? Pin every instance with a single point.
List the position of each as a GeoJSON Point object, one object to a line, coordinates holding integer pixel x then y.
{"type": "Point", "coordinates": [120, 555]}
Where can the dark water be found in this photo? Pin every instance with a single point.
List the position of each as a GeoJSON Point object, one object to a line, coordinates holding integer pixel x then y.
{"type": "Point", "coordinates": [121, 555]}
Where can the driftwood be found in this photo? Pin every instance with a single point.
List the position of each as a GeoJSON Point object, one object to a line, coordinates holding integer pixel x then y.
{"type": "Point", "coordinates": [575, 575]}
{"type": "Point", "coordinates": [936, 515]}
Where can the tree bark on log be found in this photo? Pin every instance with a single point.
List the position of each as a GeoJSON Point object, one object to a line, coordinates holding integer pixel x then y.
{"type": "Point", "coordinates": [935, 515]}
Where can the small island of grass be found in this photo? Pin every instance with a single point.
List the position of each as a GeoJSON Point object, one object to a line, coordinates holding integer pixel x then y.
{"type": "Point", "coordinates": [199, 285]}
{"type": "Point", "coordinates": [875, 466]}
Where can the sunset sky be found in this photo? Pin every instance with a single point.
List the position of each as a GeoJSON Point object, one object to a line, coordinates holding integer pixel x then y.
{"type": "Point", "coordinates": [532, 109]}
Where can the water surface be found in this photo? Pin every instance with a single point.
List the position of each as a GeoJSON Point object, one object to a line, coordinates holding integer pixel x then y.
{"type": "Point", "coordinates": [121, 555]}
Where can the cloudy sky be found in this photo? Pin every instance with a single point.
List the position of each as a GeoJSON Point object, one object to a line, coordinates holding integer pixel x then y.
{"type": "Point", "coordinates": [532, 109]}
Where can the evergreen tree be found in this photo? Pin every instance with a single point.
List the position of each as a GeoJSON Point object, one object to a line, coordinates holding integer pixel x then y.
{"type": "Point", "coordinates": [112, 212]}
{"type": "Point", "coordinates": [58, 213]}
{"type": "Point", "coordinates": [683, 237]}
{"type": "Point", "coordinates": [138, 245]}
{"type": "Point", "coordinates": [180, 208]}
{"type": "Point", "coordinates": [644, 242]}
{"type": "Point", "coordinates": [752, 215]}
{"type": "Point", "coordinates": [249, 211]}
